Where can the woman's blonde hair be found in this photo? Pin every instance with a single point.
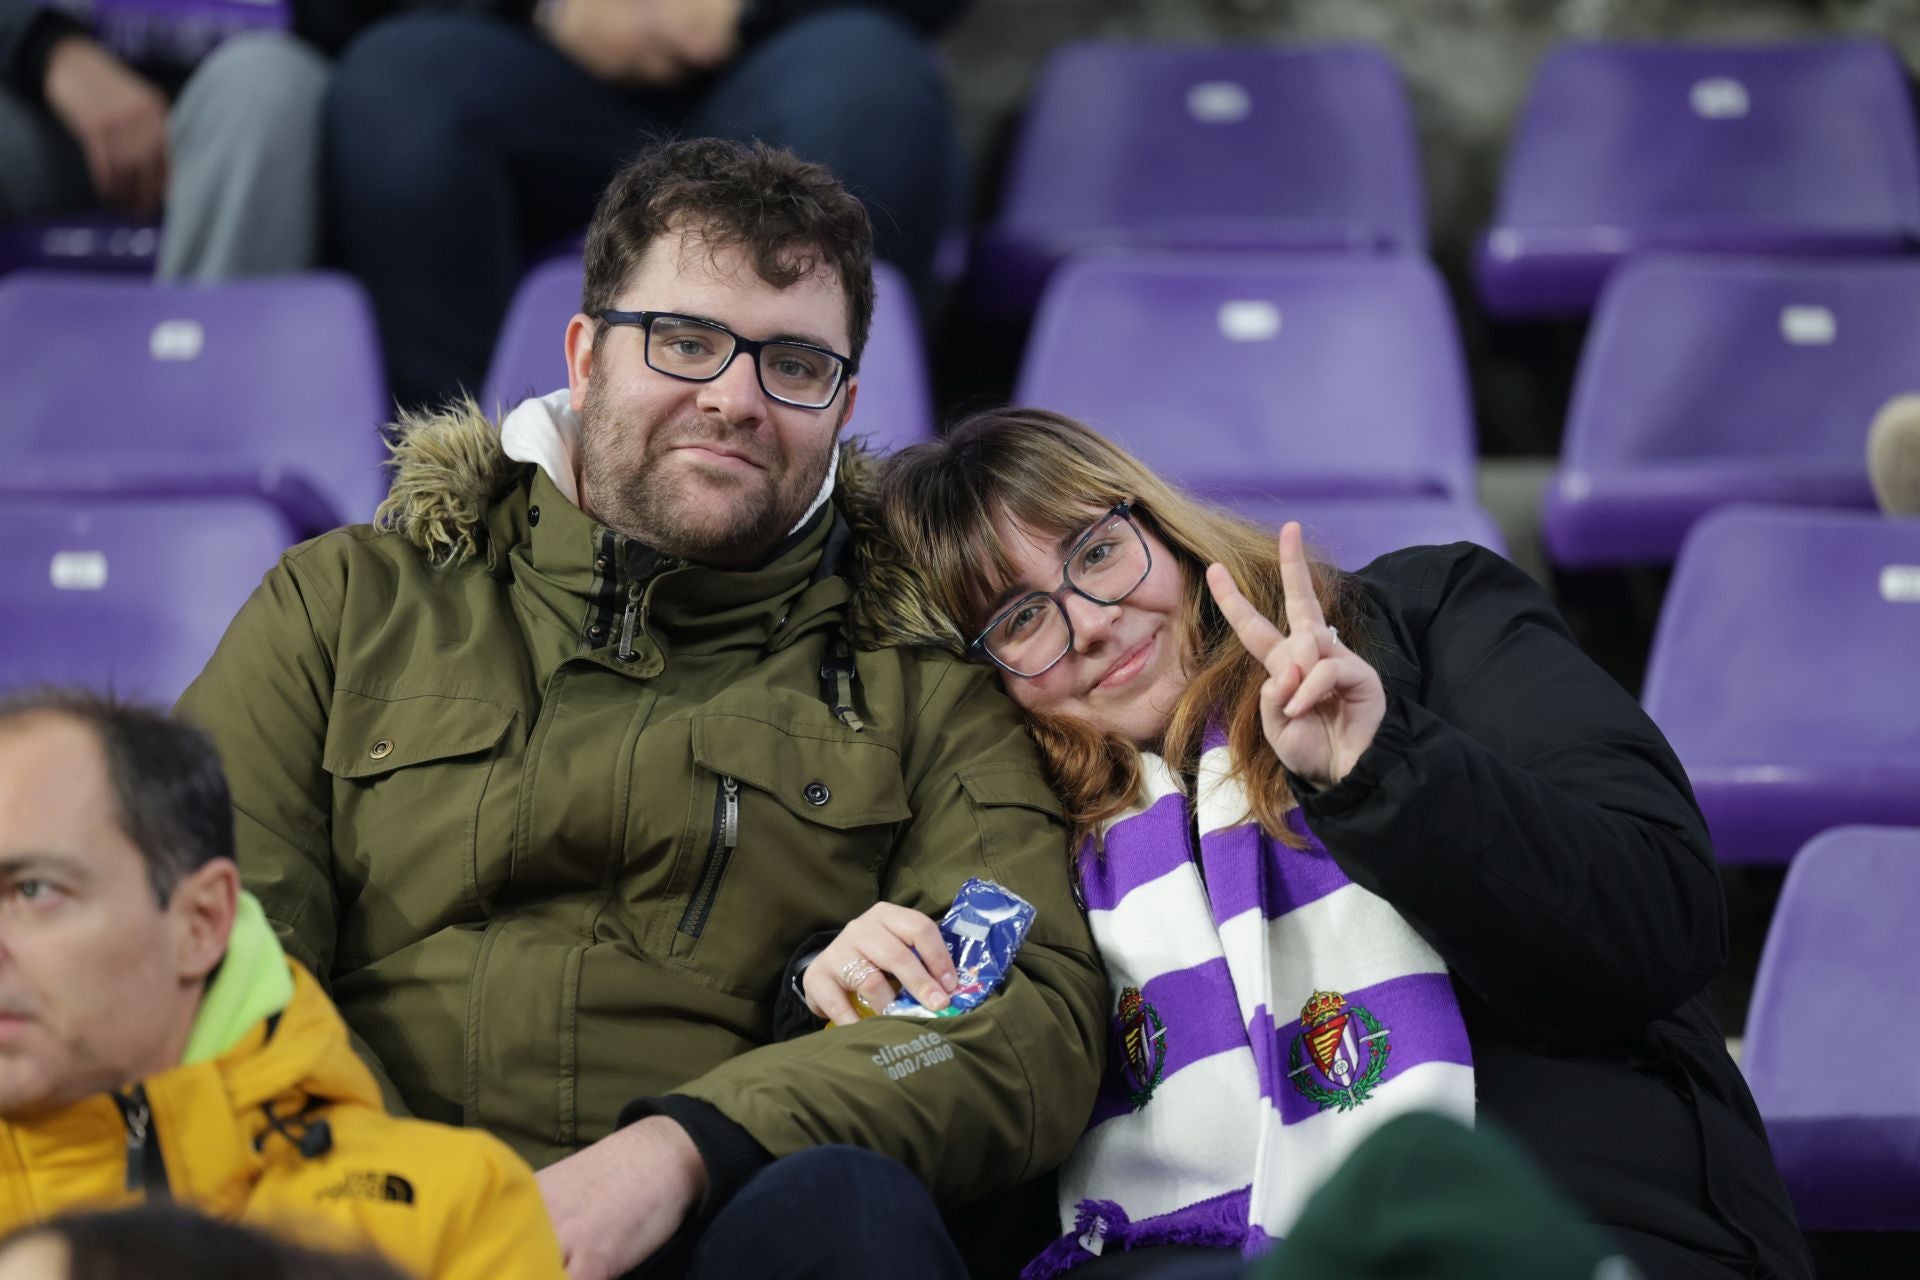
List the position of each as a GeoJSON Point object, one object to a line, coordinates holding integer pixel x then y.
{"type": "Point", "coordinates": [940, 559]}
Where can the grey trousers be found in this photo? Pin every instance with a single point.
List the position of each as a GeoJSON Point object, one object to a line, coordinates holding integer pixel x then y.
{"type": "Point", "coordinates": [243, 187]}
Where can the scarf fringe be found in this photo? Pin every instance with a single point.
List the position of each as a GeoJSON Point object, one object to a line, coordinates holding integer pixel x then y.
{"type": "Point", "coordinates": [1218, 1223]}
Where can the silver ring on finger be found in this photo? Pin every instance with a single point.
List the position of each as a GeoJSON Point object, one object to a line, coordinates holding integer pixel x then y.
{"type": "Point", "coordinates": [856, 971]}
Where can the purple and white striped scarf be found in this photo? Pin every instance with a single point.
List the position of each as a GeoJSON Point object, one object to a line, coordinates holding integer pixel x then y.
{"type": "Point", "coordinates": [1271, 1015]}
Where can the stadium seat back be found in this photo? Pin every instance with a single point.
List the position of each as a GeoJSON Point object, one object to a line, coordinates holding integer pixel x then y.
{"type": "Point", "coordinates": [1801, 147]}
{"type": "Point", "coordinates": [1210, 147]}
{"type": "Point", "coordinates": [1834, 1028]}
{"type": "Point", "coordinates": [1784, 672]}
{"type": "Point", "coordinates": [127, 594]}
{"type": "Point", "coordinates": [1256, 376]}
{"type": "Point", "coordinates": [271, 388]}
{"type": "Point", "coordinates": [1709, 380]}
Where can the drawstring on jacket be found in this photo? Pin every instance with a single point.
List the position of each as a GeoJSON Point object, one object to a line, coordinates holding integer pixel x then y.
{"type": "Point", "coordinates": [837, 669]}
{"type": "Point", "coordinates": [312, 1141]}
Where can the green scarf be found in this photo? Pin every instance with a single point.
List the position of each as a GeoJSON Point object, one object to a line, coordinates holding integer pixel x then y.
{"type": "Point", "coordinates": [253, 982]}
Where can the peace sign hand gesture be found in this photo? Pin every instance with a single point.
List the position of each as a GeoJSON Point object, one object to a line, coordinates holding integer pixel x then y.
{"type": "Point", "coordinates": [1321, 703]}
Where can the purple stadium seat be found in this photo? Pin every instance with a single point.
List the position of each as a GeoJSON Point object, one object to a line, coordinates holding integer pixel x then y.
{"type": "Point", "coordinates": [180, 32]}
{"type": "Point", "coordinates": [263, 388]}
{"type": "Point", "coordinates": [1351, 532]}
{"type": "Point", "coordinates": [130, 594]}
{"type": "Point", "coordinates": [530, 354]}
{"type": "Point", "coordinates": [1831, 1036]}
{"type": "Point", "coordinates": [1256, 376]}
{"type": "Point", "coordinates": [895, 406]}
{"type": "Point", "coordinates": [1795, 148]}
{"type": "Point", "coordinates": [81, 242]}
{"type": "Point", "coordinates": [1224, 147]}
{"type": "Point", "coordinates": [1711, 380]}
{"type": "Point", "coordinates": [1786, 673]}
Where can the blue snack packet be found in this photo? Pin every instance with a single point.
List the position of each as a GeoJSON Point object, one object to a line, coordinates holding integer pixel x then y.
{"type": "Point", "coordinates": [983, 930]}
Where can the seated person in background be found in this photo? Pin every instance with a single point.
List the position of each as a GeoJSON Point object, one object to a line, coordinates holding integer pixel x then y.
{"type": "Point", "coordinates": [156, 1044]}
{"type": "Point", "coordinates": [163, 105]}
{"type": "Point", "coordinates": [1356, 845]}
{"type": "Point", "coordinates": [459, 146]}
{"type": "Point", "coordinates": [550, 771]}
{"type": "Point", "coordinates": [162, 1242]}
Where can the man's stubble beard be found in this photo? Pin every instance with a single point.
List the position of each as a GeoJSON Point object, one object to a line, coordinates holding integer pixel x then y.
{"type": "Point", "coordinates": [638, 498]}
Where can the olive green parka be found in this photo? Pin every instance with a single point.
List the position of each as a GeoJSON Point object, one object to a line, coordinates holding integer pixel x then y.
{"type": "Point", "coordinates": [549, 814]}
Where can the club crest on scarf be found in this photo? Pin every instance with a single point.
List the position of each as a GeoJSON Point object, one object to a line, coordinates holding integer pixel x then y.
{"type": "Point", "coordinates": [1143, 1046]}
{"type": "Point", "coordinates": [1339, 1054]}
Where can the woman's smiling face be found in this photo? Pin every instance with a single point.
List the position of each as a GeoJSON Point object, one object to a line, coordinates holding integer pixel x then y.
{"type": "Point", "coordinates": [1127, 666]}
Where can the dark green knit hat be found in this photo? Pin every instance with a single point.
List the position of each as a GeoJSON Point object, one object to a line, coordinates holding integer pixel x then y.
{"type": "Point", "coordinates": [1426, 1198]}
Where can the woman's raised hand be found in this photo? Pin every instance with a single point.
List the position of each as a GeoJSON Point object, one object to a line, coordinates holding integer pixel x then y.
{"type": "Point", "coordinates": [1321, 703]}
{"type": "Point", "coordinates": [884, 948]}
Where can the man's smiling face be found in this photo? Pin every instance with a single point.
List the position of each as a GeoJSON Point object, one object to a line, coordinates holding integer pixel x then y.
{"type": "Point", "coordinates": [714, 472]}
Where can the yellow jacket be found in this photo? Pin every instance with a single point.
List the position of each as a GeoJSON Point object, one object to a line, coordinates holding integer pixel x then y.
{"type": "Point", "coordinates": [330, 1167]}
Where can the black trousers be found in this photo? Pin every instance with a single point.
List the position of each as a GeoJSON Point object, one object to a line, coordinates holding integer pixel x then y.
{"type": "Point", "coordinates": [839, 1212]}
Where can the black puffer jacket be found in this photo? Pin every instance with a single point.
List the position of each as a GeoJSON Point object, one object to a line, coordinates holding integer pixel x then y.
{"type": "Point", "coordinates": [1520, 810]}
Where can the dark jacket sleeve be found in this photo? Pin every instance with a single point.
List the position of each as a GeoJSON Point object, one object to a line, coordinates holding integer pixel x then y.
{"type": "Point", "coordinates": [1520, 810]}
{"type": "Point", "coordinates": [27, 35]}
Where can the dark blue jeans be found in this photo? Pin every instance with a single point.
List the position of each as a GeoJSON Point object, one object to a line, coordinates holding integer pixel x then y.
{"type": "Point", "coordinates": [829, 1213]}
{"type": "Point", "coordinates": [457, 145]}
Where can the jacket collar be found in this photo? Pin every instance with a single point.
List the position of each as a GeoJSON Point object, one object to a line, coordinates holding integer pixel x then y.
{"type": "Point", "coordinates": [210, 1117]}
{"type": "Point", "coordinates": [573, 573]}
{"type": "Point", "coordinates": [456, 495]}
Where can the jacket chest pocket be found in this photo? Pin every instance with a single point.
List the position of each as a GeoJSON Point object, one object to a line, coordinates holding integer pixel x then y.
{"type": "Point", "coordinates": [409, 774]}
{"type": "Point", "coordinates": [788, 835]}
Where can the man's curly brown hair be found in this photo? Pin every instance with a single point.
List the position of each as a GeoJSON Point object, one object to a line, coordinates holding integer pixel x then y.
{"type": "Point", "coordinates": [789, 216]}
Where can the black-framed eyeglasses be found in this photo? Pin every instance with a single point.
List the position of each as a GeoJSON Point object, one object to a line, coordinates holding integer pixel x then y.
{"type": "Point", "coordinates": [1030, 636]}
{"type": "Point", "coordinates": [693, 350]}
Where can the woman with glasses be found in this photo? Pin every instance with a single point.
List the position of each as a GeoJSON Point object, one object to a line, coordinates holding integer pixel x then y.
{"type": "Point", "coordinates": [1350, 845]}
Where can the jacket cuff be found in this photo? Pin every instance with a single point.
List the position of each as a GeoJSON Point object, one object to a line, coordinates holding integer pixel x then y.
{"type": "Point", "coordinates": [26, 71]}
{"type": "Point", "coordinates": [1392, 742]}
{"type": "Point", "coordinates": [731, 1154]}
{"type": "Point", "coordinates": [791, 1017]}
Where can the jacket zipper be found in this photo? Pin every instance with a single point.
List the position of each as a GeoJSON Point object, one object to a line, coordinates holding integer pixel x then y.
{"type": "Point", "coordinates": [626, 653]}
{"type": "Point", "coordinates": [146, 1167]}
{"type": "Point", "coordinates": [726, 837]}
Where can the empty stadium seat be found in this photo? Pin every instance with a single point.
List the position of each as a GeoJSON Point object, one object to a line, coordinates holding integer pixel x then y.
{"type": "Point", "coordinates": [1830, 1036]}
{"type": "Point", "coordinates": [264, 388]}
{"type": "Point", "coordinates": [1222, 147]}
{"type": "Point", "coordinates": [1711, 380]}
{"type": "Point", "coordinates": [127, 594]}
{"type": "Point", "coordinates": [895, 406]}
{"type": "Point", "coordinates": [1351, 532]}
{"type": "Point", "coordinates": [1249, 376]}
{"type": "Point", "coordinates": [1793, 148]}
{"type": "Point", "coordinates": [1785, 671]}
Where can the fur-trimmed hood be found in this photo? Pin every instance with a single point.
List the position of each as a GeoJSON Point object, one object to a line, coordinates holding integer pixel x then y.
{"type": "Point", "coordinates": [449, 469]}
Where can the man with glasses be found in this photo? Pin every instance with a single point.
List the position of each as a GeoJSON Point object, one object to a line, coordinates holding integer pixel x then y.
{"type": "Point", "coordinates": [550, 771]}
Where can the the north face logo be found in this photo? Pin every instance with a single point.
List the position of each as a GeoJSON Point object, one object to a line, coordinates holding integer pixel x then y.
{"type": "Point", "coordinates": [368, 1184]}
